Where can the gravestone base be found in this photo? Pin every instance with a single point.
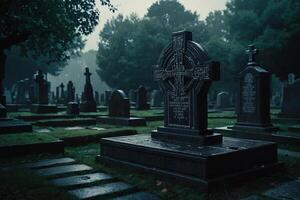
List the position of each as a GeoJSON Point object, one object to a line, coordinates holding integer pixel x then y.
{"type": "Point", "coordinates": [258, 135]}
{"type": "Point", "coordinates": [43, 108]}
{"type": "Point", "coordinates": [289, 115]}
{"type": "Point", "coordinates": [124, 121]}
{"type": "Point", "coordinates": [230, 161]}
{"type": "Point", "coordinates": [190, 136]}
{"type": "Point", "coordinates": [88, 107]}
{"type": "Point", "coordinates": [10, 125]}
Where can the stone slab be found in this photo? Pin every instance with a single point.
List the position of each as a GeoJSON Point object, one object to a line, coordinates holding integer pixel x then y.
{"type": "Point", "coordinates": [289, 153]}
{"type": "Point", "coordinates": [101, 190]}
{"type": "Point", "coordinates": [131, 121]}
{"type": "Point", "coordinates": [274, 137]}
{"type": "Point", "coordinates": [10, 125]}
{"type": "Point", "coordinates": [290, 191]}
{"type": "Point", "coordinates": [138, 196]}
{"type": "Point", "coordinates": [199, 165]}
{"type": "Point", "coordinates": [80, 179]}
{"type": "Point", "coordinates": [63, 169]}
{"type": "Point", "coordinates": [48, 163]}
{"type": "Point", "coordinates": [54, 147]}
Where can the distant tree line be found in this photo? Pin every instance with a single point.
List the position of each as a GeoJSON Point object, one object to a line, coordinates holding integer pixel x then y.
{"type": "Point", "coordinates": [130, 46]}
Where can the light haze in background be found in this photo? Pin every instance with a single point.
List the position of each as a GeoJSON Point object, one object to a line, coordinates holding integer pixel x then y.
{"type": "Point", "coordinates": [75, 69]}
{"type": "Point", "coordinates": [140, 7]}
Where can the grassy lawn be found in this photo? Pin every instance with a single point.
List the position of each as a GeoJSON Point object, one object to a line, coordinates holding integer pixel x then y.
{"type": "Point", "coordinates": [25, 138]}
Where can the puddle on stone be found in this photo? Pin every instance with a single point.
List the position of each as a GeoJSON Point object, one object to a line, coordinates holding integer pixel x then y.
{"type": "Point", "coordinates": [44, 130]}
{"type": "Point", "coordinates": [74, 128]}
{"type": "Point", "coordinates": [97, 128]}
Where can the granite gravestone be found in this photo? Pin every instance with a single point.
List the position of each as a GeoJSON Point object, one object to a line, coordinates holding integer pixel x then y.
{"type": "Point", "coordinates": [290, 107]}
{"type": "Point", "coordinates": [70, 92]}
{"type": "Point", "coordinates": [21, 92]}
{"type": "Point", "coordinates": [102, 99]}
{"type": "Point", "coordinates": [119, 111]}
{"type": "Point", "coordinates": [223, 100]}
{"type": "Point", "coordinates": [62, 94]}
{"type": "Point", "coordinates": [291, 78]}
{"type": "Point", "coordinates": [73, 108]}
{"type": "Point", "coordinates": [253, 111]}
{"type": "Point", "coordinates": [184, 148]}
{"type": "Point", "coordinates": [42, 95]}
{"type": "Point", "coordinates": [88, 104]}
{"type": "Point", "coordinates": [141, 99]}
{"type": "Point", "coordinates": [118, 105]}
{"type": "Point", "coordinates": [156, 98]}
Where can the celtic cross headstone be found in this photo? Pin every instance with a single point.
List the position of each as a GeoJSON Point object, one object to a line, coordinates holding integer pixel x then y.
{"type": "Point", "coordinates": [185, 73]}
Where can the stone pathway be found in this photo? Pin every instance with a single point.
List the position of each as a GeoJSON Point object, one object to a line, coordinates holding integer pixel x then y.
{"type": "Point", "coordinates": [84, 182]}
{"type": "Point", "coordinates": [285, 191]}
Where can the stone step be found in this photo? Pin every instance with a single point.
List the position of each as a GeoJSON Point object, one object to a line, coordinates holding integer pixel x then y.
{"type": "Point", "coordinates": [80, 179]}
{"type": "Point", "coordinates": [115, 188]}
{"type": "Point", "coordinates": [290, 191]}
{"type": "Point", "coordinates": [138, 196]}
{"type": "Point", "coordinates": [50, 171]}
{"type": "Point", "coordinates": [289, 153]}
{"type": "Point", "coordinates": [48, 163]}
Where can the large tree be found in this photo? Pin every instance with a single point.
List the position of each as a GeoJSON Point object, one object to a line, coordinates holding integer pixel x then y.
{"type": "Point", "coordinates": [50, 30]}
{"type": "Point", "coordinates": [129, 46]}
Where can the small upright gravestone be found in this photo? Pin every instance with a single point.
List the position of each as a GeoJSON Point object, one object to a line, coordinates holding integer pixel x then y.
{"type": "Point", "coordinates": [88, 104]}
{"type": "Point", "coordinates": [253, 106]}
{"type": "Point", "coordinates": [97, 98]}
{"type": "Point", "coordinates": [42, 105]}
{"type": "Point", "coordinates": [70, 92]}
{"type": "Point", "coordinates": [73, 108]}
{"type": "Point", "coordinates": [141, 99]}
{"type": "Point", "coordinates": [184, 148]}
{"type": "Point", "coordinates": [62, 93]}
{"type": "Point", "coordinates": [21, 92]}
{"type": "Point", "coordinates": [118, 105]}
{"type": "Point", "coordinates": [223, 100]}
{"type": "Point", "coordinates": [290, 107]}
{"type": "Point", "coordinates": [119, 111]}
{"type": "Point", "coordinates": [156, 98]}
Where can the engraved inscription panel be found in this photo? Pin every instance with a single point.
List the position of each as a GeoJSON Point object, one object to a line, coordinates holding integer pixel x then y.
{"type": "Point", "coordinates": [249, 94]}
{"type": "Point", "coordinates": [179, 111]}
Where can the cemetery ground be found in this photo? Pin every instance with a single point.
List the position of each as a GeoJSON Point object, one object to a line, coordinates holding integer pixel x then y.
{"type": "Point", "coordinates": [81, 135]}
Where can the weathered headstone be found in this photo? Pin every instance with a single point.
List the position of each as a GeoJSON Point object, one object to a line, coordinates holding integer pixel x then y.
{"type": "Point", "coordinates": [290, 107]}
{"type": "Point", "coordinates": [184, 148]}
{"type": "Point", "coordinates": [223, 100]}
{"type": "Point", "coordinates": [119, 111]}
{"type": "Point", "coordinates": [156, 98]}
{"type": "Point", "coordinates": [119, 105]}
{"type": "Point", "coordinates": [62, 93]}
{"type": "Point", "coordinates": [141, 99]}
{"type": "Point", "coordinates": [21, 92]}
{"type": "Point", "coordinates": [42, 89]}
{"type": "Point", "coordinates": [70, 92]}
{"type": "Point", "coordinates": [88, 104]}
{"type": "Point", "coordinates": [102, 99]}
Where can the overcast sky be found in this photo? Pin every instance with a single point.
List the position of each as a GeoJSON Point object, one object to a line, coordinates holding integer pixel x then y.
{"type": "Point", "coordinates": [202, 7]}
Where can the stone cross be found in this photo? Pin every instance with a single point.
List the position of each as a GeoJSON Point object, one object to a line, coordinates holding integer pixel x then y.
{"type": "Point", "coordinates": [185, 73]}
{"type": "Point", "coordinates": [87, 75]}
{"type": "Point", "coordinates": [252, 52]}
{"type": "Point", "coordinates": [178, 71]}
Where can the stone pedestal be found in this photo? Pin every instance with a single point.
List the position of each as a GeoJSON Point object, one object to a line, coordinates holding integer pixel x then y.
{"type": "Point", "coordinates": [199, 165]}
{"type": "Point", "coordinates": [43, 108]}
